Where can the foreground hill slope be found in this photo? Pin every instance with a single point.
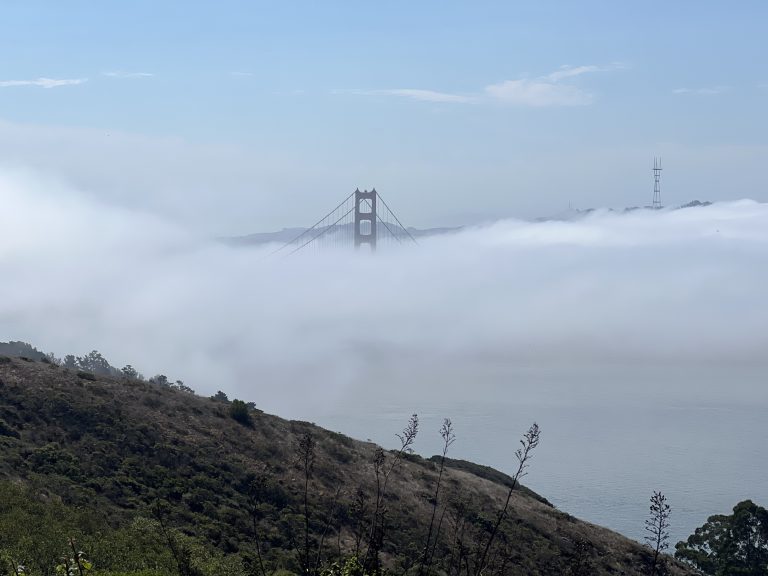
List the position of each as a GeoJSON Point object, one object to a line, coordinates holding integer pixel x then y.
{"type": "Point", "coordinates": [126, 449]}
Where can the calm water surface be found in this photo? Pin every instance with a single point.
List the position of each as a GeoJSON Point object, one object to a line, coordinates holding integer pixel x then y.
{"type": "Point", "coordinates": [610, 436]}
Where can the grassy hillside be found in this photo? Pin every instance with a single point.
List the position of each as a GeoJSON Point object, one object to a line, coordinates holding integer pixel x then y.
{"type": "Point", "coordinates": [147, 477]}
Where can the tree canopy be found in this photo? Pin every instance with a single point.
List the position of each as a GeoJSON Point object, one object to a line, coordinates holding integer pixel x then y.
{"type": "Point", "coordinates": [727, 545]}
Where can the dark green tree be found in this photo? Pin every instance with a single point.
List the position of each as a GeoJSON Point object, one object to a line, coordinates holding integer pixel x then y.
{"type": "Point", "coordinates": [94, 362]}
{"type": "Point", "coordinates": [129, 371]}
{"type": "Point", "coordinates": [239, 412]}
{"type": "Point", "coordinates": [160, 380]}
{"type": "Point", "coordinates": [179, 385]}
{"type": "Point", "coordinates": [727, 545]}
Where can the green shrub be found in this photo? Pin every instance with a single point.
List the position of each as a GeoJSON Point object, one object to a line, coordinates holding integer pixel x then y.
{"type": "Point", "coordinates": [7, 430]}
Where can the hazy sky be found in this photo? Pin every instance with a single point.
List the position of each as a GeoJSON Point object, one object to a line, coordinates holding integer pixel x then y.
{"type": "Point", "coordinates": [238, 116]}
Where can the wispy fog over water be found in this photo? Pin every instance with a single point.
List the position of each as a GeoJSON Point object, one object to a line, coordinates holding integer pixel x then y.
{"type": "Point", "coordinates": [636, 340]}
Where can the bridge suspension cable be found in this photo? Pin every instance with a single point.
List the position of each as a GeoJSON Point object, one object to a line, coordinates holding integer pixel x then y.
{"type": "Point", "coordinates": [397, 220]}
{"type": "Point", "coordinates": [320, 226]}
{"type": "Point", "coordinates": [362, 218]}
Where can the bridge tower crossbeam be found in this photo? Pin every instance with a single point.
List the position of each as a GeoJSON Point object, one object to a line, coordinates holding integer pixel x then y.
{"type": "Point", "coordinates": [365, 218]}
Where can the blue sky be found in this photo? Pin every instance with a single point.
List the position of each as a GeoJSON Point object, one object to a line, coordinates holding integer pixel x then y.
{"type": "Point", "coordinates": [236, 116]}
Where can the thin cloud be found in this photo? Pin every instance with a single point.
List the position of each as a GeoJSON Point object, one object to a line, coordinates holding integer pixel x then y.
{"type": "Point", "coordinates": [415, 94]}
{"type": "Point", "coordinates": [43, 82]}
{"type": "Point", "coordinates": [538, 93]}
{"type": "Point", "coordinates": [547, 90]}
{"type": "Point", "coordinates": [571, 71]}
{"type": "Point", "coordinates": [246, 74]}
{"type": "Point", "coordinates": [706, 91]}
{"type": "Point", "coordinates": [294, 92]}
{"type": "Point", "coordinates": [119, 74]}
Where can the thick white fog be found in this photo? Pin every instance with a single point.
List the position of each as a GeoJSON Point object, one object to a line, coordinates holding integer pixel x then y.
{"type": "Point", "coordinates": [678, 287]}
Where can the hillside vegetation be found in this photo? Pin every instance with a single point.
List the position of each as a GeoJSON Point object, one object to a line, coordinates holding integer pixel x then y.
{"type": "Point", "coordinates": [143, 478]}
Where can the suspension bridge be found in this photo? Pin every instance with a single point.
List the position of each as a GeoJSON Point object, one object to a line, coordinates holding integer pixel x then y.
{"type": "Point", "coordinates": [362, 219]}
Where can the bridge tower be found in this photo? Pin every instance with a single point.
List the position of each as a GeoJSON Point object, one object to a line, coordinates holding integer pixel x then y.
{"type": "Point", "coordinates": [365, 218]}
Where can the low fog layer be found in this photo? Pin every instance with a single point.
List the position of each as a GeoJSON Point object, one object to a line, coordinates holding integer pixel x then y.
{"type": "Point", "coordinates": [298, 334]}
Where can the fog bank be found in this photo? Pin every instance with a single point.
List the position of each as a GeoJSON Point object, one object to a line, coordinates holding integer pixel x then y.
{"type": "Point", "coordinates": [298, 334]}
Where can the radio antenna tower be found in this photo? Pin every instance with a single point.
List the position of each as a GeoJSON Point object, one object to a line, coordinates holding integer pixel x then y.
{"type": "Point", "coordinates": [657, 183]}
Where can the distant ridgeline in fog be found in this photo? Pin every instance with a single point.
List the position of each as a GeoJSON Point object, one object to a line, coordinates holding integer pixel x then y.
{"type": "Point", "coordinates": [93, 362]}
{"type": "Point", "coordinates": [575, 213]}
{"type": "Point", "coordinates": [21, 350]}
{"type": "Point", "coordinates": [288, 234]}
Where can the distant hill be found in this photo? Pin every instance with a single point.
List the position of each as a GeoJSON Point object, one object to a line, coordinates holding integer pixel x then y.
{"type": "Point", "coordinates": [119, 461]}
{"type": "Point", "coordinates": [287, 234]}
{"type": "Point", "coordinates": [576, 213]}
{"type": "Point", "coordinates": [20, 349]}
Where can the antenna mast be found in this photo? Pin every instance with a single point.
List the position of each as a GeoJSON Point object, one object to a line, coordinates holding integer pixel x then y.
{"type": "Point", "coordinates": [657, 183]}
